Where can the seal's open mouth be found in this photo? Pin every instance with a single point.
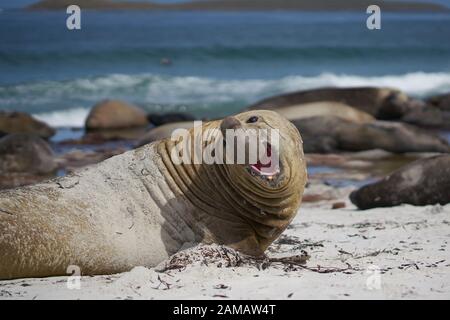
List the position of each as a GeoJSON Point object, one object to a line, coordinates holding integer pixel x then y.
{"type": "Point", "coordinates": [269, 169]}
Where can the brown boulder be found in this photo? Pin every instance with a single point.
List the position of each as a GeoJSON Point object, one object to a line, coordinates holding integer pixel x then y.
{"type": "Point", "coordinates": [26, 153]}
{"type": "Point", "coordinates": [114, 114]}
{"type": "Point", "coordinates": [20, 122]}
{"type": "Point", "coordinates": [159, 119]}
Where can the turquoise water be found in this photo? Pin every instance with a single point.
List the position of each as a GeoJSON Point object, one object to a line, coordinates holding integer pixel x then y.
{"type": "Point", "coordinates": [220, 61]}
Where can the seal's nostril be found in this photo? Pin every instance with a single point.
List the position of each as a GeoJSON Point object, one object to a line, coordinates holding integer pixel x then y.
{"type": "Point", "coordinates": [230, 123]}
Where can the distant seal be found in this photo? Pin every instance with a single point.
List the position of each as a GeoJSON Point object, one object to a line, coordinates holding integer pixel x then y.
{"type": "Point", "coordinates": [291, 113]}
{"type": "Point", "coordinates": [423, 182]}
{"type": "Point", "coordinates": [329, 134]}
{"type": "Point", "coordinates": [382, 103]}
{"type": "Point", "coordinates": [324, 108]}
{"type": "Point", "coordinates": [140, 207]}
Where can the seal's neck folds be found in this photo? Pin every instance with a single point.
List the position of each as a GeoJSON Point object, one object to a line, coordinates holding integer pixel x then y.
{"type": "Point", "coordinates": [235, 210]}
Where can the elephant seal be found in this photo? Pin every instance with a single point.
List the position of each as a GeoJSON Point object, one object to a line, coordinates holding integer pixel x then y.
{"type": "Point", "coordinates": [382, 103]}
{"type": "Point", "coordinates": [329, 134]}
{"type": "Point", "coordinates": [140, 207]}
{"type": "Point", "coordinates": [423, 182]}
{"type": "Point", "coordinates": [324, 108]}
{"type": "Point", "coordinates": [428, 116]}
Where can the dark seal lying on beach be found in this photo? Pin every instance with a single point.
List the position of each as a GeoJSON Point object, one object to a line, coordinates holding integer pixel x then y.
{"type": "Point", "coordinates": [423, 182]}
{"type": "Point", "coordinates": [382, 103]}
{"type": "Point", "coordinates": [138, 208]}
{"type": "Point", "coordinates": [330, 134]}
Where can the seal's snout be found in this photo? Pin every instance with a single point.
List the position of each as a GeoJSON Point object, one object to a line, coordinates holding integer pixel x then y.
{"type": "Point", "coordinates": [229, 123]}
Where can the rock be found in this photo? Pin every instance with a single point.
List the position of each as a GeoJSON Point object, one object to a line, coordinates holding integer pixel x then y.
{"type": "Point", "coordinates": [114, 114]}
{"type": "Point", "coordinates": [372, 155]}
{"type": "Point", "coordinates": [26, 153]}
{"type": "Point", "coordinates": [316, 198]}
{"type": "Point", "coordinates": [78, 159]}
{"type": "Point", "coordinates": [441, 102]}
{"type": "Point", "coordinates": [338, 205]}
{"type": "Point", "coordinates": [328, 160]}
{"type": "Point", "coordinates": [20, 122]}
{"type": "Point", "coordinates": [115, 135]}
{"type": "Point", "coordinates": [159, 119]}
{"type": "Point", "coordinates": [164, 131]}
{"type": "Point", "coordinates": [423, 182]}
{"type": "Point", "coordinates": [330, 134]}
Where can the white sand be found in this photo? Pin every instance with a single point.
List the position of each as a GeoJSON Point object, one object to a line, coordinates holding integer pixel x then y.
{"type": "Point", "coordinates": [406, 247]}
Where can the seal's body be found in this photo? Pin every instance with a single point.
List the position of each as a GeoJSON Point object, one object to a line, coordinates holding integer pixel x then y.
{"type": "Point", "coordinates": [324, 108]}
{"type": "Point", "coordinates": [139, 207]}
{"type": "Point", "coordinates": [382, 103]}
{"type": "Point", "coordinates": [420, 183]}
{"type": "Point", "coordinates": [105, 219]}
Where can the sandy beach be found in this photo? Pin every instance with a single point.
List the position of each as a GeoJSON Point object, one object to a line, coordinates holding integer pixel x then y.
{"type": "Point", "coordinates": [90, 99]}
{"type": "Point", "coordinates": [384, 253]}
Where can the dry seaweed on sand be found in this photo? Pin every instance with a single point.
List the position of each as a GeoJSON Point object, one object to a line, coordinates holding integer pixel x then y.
{"type": "Point", "coordinates": [224, 257]}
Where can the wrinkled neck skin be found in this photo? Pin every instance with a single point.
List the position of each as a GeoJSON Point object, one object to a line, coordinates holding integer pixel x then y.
{"type": "Point", "coordinates": [231, 208]}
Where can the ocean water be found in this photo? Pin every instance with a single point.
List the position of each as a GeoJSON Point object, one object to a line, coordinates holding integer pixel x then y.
{"type": "Point", "coordinates": [220, 61]}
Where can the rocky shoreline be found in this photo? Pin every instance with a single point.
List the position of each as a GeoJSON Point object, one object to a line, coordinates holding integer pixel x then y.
{"type": "Point", "coordinates": [343, 152]}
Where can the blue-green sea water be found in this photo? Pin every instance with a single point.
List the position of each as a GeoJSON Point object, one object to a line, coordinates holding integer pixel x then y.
{"type": "Point", "coordinates": [220, 61]}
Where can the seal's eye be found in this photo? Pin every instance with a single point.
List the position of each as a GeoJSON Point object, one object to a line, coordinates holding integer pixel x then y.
{"type": "Point", "coordinates": [252, 119]}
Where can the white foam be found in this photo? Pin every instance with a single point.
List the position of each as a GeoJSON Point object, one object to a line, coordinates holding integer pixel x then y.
{"type": "Point", "coordinates": [190, 93]}
{"type": "Point", "coordinates": [417, 84]}
{"type": "Point", "coordinates": [73, 118]}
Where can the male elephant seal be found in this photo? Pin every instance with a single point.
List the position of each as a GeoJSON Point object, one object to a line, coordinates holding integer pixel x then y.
{"type": "Point", "coordinates": [382, 103]}
{"type": "Point", "coordinates": [329, 134]}
{"type": "Point", "coordinates": [423, 182]}
{"type": "Point", "coordinates": [324, 108]}
{"type": "Point", "coordinates": [140, 207]}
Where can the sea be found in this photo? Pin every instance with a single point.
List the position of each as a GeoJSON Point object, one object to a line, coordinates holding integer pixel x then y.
{"type": "Point", "coordinates": [219, 62]}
